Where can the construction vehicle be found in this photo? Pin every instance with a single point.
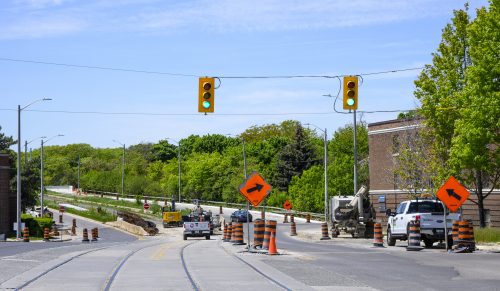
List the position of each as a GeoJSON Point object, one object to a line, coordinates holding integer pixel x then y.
{"type": "Point", "coordinates": [352, 214]}
{"type": "Point", "coordinates": [171, 217]}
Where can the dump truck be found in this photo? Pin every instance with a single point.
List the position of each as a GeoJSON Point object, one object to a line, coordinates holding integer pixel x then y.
{"type": "Point", "coordinates": [171, 217]}
{"type": "Point", "coordinates": [352, 214]}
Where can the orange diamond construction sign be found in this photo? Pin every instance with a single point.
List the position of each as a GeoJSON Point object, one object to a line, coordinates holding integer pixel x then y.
{"type": "Point", "coordinates": [255, 189]}
{"type": "Point", "coordinates": [452, 194]}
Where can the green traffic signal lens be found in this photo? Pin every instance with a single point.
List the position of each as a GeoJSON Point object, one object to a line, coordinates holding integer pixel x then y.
{"type": "Point", "coordinates": [350, 102]}
{"type": "Point", "coordinates": [206, 104]}
{"type": "Point", "coordinates": [207, 95]}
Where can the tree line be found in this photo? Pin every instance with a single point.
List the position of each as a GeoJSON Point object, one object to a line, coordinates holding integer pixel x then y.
{"type": "Point", "coordinates": [288, 155]}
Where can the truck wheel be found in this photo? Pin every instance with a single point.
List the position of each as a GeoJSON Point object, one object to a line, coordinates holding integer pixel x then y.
{"type": "Point", "coordinates": [185, 237]}
{"type": "Point", "coordinates": [207, 237]}
{"type": "Point", "coordinates": [428, 242]}
{"type": "Point", "coordinates": [390, 240]}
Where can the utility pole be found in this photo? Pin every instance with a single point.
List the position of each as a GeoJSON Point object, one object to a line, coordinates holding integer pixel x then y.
{"type": "Point", "coordinates": [41, 171]}
{"type": "Point", "coordinates": [326, 176]}
{"type": "Point", "coordinates": [123, 171]}
{"type": "Point", "coordinates": [248, 203]}
{"type": "Point", "coordinates": [41, 179]}
{"type": "Point", "coordinates": [179, 169]}
{"type": "Point", "coordinates": [25, 152]}
{"type": "Point", "coordinates": [18, 186]}
{"type": "Point", "coordinates": [78, 185]}
{"type": "Point", "coordinates": [360, 204]}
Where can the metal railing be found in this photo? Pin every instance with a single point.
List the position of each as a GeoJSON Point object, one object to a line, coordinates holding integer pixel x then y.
{"type": "Point", "coordinates": [277, 210]}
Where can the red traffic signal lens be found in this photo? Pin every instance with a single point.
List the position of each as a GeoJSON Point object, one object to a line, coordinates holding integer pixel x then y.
{"type": "Point", "coordinates": [207, 86]}
{"type": "Point", "coordinates": [351, 84]}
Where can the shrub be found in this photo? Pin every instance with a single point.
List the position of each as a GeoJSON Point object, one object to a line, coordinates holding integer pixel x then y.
{"type": "Point", "coordinates": [155, 208]}
{"type": "Point", "coordinates": [36, 225]}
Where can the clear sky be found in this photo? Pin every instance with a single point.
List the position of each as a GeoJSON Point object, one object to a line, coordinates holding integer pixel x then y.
{"type": "Point", "coordinates": [205, 38]}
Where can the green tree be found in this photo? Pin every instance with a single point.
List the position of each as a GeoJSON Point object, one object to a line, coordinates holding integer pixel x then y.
{"type": "Point", "coordinates": [5, 141]}
{"type": "Point", "coordinates": [341, 159]}
{"type": "Point", "coordinates": [164, 151]}
{"type": "Point", "coordinates": [30, 183]}
{"type": "Point", "coordinates": [294, 159]}
{"type": "Point", "coordinates": [307, 191]}
{"type": "Point", "coordinates": [475, 151]}
{"type": "Point", "coordinates": [439, 89]}
{"type": "Point", "coordinates": [460, 102]}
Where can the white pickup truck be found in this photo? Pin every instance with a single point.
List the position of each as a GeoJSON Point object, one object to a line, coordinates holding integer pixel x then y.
{"type": "Point", "coordinates": [196, 229]}
{"type": "Point", "coordinates": [430, 214]}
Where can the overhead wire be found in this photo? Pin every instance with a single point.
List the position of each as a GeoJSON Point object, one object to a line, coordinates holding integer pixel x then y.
{"type": "Point", "coordinates": [194, 75]}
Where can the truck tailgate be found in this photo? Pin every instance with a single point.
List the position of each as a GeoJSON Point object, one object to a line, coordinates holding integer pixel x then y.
{"type": "Point", "coordinates": [429, 220]}
{"type": "Point", "coordinates": [196, 226]}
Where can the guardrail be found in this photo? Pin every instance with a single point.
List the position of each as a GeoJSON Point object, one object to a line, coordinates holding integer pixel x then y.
{"type": "Point", "coordinates": [278, 210]}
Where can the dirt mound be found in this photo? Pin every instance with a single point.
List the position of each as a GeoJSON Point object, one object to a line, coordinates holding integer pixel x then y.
{"type": "Point", "coordinates": [148, 226]}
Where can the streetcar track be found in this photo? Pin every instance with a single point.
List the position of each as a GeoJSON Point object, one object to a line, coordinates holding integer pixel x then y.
{"type": "Point", "coordinates": [195, 287]}
{"type": "Point", "coordinates": [27, 283]}
{"type": "Point", "coordinates": [111, 278]}
{"type": "Point", "coordinates": [256, 270]}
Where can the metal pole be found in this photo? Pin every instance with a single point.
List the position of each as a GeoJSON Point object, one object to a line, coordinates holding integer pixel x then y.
{"type": "Point", "coordinates": [326, 177]}
{"type": "Point", "coordinates": [18, 196]}
{"type": "Point", "coordinates": [25, 152]}
{"type": "Point", "coordinates": [41, 179]}
{"type": "Point", "coordinates": [360, 202]}
{"type": "Point", "coordinates": [123, 171]}
{"type": "Point", "coordinates": [248, 203]}
{"type": "Point", "coordinates": [78, 185]}
{"type": "Point", "coordinates": [179, 168]}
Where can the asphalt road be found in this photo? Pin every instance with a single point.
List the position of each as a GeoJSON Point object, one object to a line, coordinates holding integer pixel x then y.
{"type": "Point", "coordinates": [18, 257]}
{"type": "Point", "coordinates": [166, 262]}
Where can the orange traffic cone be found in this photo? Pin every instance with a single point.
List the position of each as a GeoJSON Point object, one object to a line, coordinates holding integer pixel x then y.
{"type": "Point", "coordinates": [272, 245]}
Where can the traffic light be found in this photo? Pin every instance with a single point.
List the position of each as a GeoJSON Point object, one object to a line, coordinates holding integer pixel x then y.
{"type": "Point", "coordinates": [206, 95]}
{"type": "Point", "coordinates": [350, 93]}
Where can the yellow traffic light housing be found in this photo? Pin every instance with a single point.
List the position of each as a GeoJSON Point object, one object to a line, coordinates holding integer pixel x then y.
{"type": "Point", "coordinates": [351, 93]}
{"type": "Point", "coordinates": [206, 95]}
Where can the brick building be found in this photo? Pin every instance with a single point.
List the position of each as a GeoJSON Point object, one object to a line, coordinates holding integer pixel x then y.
{"type": "Point", "coordinates": [7, 199]}
{"type": "Point", "coordinates": [384, 141]}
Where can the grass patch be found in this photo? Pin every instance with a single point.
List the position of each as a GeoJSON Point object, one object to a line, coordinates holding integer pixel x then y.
{"type": "Point", "coordinates": [487, 235]}
{"type": "Point", "coordinates": [95, 213]}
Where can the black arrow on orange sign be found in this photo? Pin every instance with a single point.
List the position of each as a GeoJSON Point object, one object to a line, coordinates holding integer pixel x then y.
{"type": "Point", "coordinates": [452, 193]}
{"type": "Point", "coordinates": [257, 187]}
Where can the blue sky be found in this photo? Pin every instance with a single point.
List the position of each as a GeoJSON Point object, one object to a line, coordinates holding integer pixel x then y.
{"type": "Point", "coordinates": [205, 38]}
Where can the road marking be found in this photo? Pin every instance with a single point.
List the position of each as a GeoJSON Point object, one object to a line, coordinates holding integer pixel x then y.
{"type": "Point", "coordinates": [19, 260]}
{"type": "Point", "coordinates": [160, 253]}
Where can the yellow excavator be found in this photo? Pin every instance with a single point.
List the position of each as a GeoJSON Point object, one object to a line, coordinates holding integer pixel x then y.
{"type": "Point", "coordinates": [171, 217]}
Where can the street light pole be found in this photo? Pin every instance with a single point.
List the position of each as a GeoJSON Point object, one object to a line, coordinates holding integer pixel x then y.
{"type": "Point", "coordinates": [41, 179]}
{"type": "Point", "coordinates": [178, 165]}
{"type": "Point", "coordinates": [18, 180]}
{"type": "Point", "coordinates": [42, 186]}
{"type": "Point", "coordinates": [179, 168]}
{"type": "Point", "coordinates": [326, 176]}
{"type": "Point", "coordinates": [26, 143]}
{"type": "Point", "coordinates": [78, 185]}
{"type": "Point", "coordinates": [246, 176]}
{"type": "Point", "coordinates": [123, 171]}
{"type": "Point", "coordinates": [325, 162]}
{"type": "Point", "coordinates": [18, 204]}
{"type": "Point", "coordinates": [123, 167]}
